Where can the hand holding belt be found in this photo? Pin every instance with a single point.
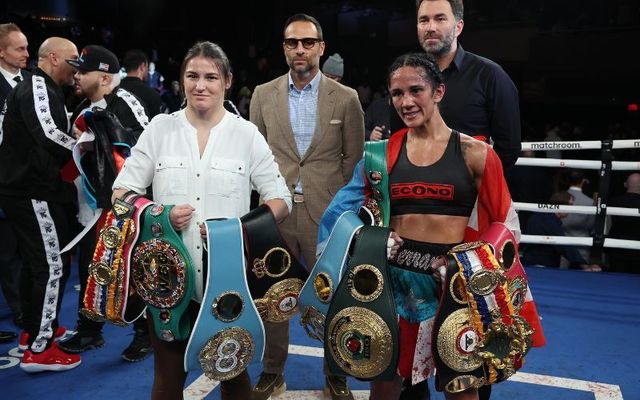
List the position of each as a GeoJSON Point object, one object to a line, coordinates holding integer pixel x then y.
{"type": "Point", "coordinates": [108, 295]}
{"type": "Point", "coordinates": [479, 337]}
{"type": "Point", "coordinates": [228, 334]}
{"type": "Point", "coordinates": [274, 275]}
{"type": "Point", "coordinates": [361, 335]}
{"type": "Point", "coordinates": [163, 274]}
{"type": "Point", "coordinates": [318, 291]}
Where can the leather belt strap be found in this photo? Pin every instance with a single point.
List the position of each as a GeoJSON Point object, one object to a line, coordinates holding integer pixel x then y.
{"type": "Point", "coordinates": [274, 274]}
{"type": "Point", "coordinates": [163, 274]}
{"type": "Point", "coordinates": [318, 291]}
{"type": "Point", "coordinates": [361, 333]}
{"type": "Point", "coordinates": [228, 334]}
{"type": "Point", "coordinates": [375, 169]}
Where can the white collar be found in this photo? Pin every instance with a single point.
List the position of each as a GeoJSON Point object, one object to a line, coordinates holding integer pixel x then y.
{"type": "Point", "coordinates": [9, 76]}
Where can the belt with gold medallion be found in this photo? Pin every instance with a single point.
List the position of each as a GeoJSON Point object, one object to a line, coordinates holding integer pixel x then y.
{"type": "Point", "coordinates": [275, 276]}
{"type": "Point", "coordinates": [479, 337]}
{"type": "Point", "coordinates": [317, 292]}
{"type": "Point", "coordinates": [361, 332]}
{"type": "Point", "coordinates": [163, 275]}
{"type": "Point", "coordinates": [228, 334]}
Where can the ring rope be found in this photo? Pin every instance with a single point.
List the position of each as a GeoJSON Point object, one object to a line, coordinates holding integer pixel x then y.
{"type": "Point", "coordinates": [579, 145]}
{"type": "Point", "coordinates": [579, 164]}
{"type": "Point", "coordinates": [580, 241]}
{"type": "Point", "coordinates": [591, 210]}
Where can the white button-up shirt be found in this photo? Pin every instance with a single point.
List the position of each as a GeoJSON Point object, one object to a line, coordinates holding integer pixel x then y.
{"type": "Point", "coordinates": [218, 185]}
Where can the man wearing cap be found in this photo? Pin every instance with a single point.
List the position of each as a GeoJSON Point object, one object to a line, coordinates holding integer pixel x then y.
{"type": "Point", "coordinates": [97, 80]}
{"type": "Point", "coordinates": [333, 67]}
{"type": "Point", "coordinates": [39, 204]}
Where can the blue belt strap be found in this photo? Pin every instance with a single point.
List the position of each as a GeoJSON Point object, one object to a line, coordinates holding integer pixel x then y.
{"type": "Point", "coordinates": [329, 267]}
{"type": "Point", "coordinates": [226, 274]}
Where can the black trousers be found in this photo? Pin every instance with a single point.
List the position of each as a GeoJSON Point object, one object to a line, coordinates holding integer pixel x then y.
{"type": "Point", "coordinates": [86, 325]}
{"type": "Point", "coordinates": [42, 229]}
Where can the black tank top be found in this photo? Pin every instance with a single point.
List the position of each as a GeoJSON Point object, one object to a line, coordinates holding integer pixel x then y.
{"type": "Point", "coordinates": [444, 187]}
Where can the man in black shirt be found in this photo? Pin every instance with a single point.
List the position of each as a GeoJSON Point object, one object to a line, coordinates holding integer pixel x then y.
{"type": "Point", "coordinates": [480, 99]}
{"type": "Point", "coordinates": [136, 65]}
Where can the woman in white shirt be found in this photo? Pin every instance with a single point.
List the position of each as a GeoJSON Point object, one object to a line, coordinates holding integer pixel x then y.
{"type": "Point", "coordinates": [204, 160]}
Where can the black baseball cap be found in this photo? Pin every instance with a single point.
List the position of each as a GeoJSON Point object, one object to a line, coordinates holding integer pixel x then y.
{"type": "Point", "coordinates": [96, 58]}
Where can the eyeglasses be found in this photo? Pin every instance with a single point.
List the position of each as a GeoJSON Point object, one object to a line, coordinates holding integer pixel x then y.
{"type": "Point", "coordinates": [307, 43]}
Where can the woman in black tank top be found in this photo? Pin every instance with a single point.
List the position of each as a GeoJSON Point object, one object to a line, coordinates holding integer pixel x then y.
{"type": "Point", "coordinates": [433, 186]}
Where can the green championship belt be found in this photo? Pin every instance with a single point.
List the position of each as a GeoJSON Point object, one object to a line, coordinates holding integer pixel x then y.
{"type": "Point", "coordinates": [163, 274]}
{"type": "Point", "coordinates": [375, 170]}
{"type": "Point", "coordinates": [361, 335]}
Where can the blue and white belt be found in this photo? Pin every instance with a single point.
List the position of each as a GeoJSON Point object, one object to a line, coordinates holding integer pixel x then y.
{"type": "Point", "coordinates": [318, 291]}
{"type": "Point", "coordinates": [228, 334]}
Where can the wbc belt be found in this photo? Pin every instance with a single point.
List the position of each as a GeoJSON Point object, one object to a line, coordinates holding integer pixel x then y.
{"type": "Point", "coordinates": [228, 334]}
{"type": "Point", "coordinates": [108, 295]}
{"type": "Point", "coordinates": [361, 335]}
{"type": "Point", "coordinates": [479, 336]}
{"type": "Point", "coordinates": [318, 291]}
{"type": "Point", "coordinates": [274, 275]}
{"type": "Point", "coordinates": [163, 274]}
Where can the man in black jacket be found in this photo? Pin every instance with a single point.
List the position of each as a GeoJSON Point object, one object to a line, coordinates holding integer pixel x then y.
{"type": "Point", "coordinates": [136, 65]}
{"type": "Point", "coordinates": [13, 58]}
{"type": "Point", "coordinates": [97, 81]}
{"type": "Point", "coordinates": [38, 202]}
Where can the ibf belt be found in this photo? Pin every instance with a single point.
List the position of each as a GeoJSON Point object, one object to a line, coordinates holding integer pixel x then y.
{"type": "Point", "coordinates": [108, 295]}
{"type": "Point", "coordinates": [361, 333]}
{"type": "Point", "coordinates": [274, 274]}
{"type": "Point", "coordinates": [479, 337]}
{"type": "Point", "coordinates": [228, 334]}
{"type": "Point", "coordinates": [163, 274]}
{"type": "Point", "coordinates": [318, 291]}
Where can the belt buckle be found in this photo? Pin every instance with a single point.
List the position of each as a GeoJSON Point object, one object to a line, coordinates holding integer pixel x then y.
{"type": "Point", "coordinates": [298, 198]}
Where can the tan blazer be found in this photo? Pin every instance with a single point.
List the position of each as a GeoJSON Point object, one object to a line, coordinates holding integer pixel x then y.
{"type": "Point", "coordinates": [336, 147]}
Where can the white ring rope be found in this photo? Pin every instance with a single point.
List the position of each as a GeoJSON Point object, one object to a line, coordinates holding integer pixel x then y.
{"type": "Point", "coordinates": [580, 241]}
{"type": "Point", "coordinates": [580, 145]}
{"type": "Point", "coordinates": [552, 208]}
{"type": "Point", "coordinates": [579, 164]}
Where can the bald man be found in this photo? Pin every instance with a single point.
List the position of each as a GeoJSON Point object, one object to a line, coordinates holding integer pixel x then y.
{"type": "Point", "coordinates": [39, 204]}
{"type": "Point", "coordinates": [622, 260]}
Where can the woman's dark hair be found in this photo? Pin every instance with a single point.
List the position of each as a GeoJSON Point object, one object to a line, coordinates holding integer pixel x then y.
{"type": "Point", "coordinates": [422, 61]}
{"type": "Point", "coordinates": [208, 50]}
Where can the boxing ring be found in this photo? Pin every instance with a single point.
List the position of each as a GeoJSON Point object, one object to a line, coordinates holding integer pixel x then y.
{"type": "Point", "coordinates": [605, 166]}
{"type": "Point", "coordinates": [590, 320]}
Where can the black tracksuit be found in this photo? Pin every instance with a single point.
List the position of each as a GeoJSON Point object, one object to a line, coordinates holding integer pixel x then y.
{"type": "Point", "coordinates": [34, 148]}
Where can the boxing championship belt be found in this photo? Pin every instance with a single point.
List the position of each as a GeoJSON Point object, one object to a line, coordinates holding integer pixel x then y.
{"type": "Point", "coordinates": [378, 205]}
{"type": "Point", "coordinates": [274, 275]}
{"type": "Point", "coordinates": [318, 291]}
{"type": "Point", "coordinates": [361, 333]}
{"type": "Point", "coordinates": [479, 337]}
{"type": "Point", "coordinates": [505, 249]}
{"type": "Point", "coordinates": [163, 274]}
{"type": "Point", "coordinates": [228, 334]}
{"type": "Point", "coordinates": [108, 295]}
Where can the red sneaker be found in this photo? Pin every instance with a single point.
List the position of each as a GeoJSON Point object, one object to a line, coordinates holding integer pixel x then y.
{"type": "Point", "coordinates": [52, 359]}
{"type": "Point", "coordinates": [24, 337]}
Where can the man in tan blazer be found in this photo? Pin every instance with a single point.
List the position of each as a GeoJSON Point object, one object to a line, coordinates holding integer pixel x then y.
{"type": "Point", "coordinates": [315, 128]}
